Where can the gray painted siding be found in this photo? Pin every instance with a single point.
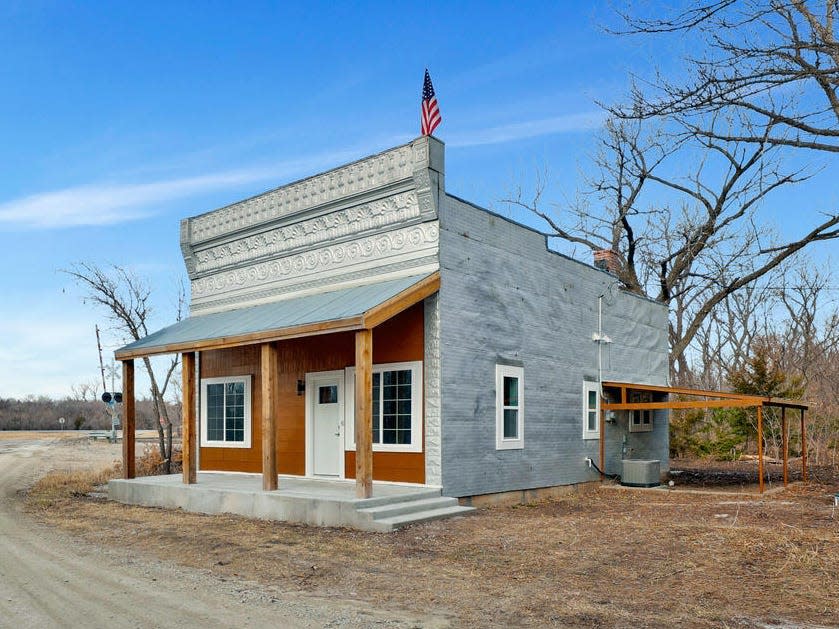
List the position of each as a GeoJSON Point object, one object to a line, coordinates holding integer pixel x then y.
{"type": "Point", "coordinates": [639, 445]}
{"type": "Point", "coordinates": [505, 297]}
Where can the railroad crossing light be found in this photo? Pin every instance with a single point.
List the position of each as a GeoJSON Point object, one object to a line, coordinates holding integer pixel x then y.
{"type": "Point", "coordinates": [106, 397]}
{"type": "Point", "coordinates": [118, 397]}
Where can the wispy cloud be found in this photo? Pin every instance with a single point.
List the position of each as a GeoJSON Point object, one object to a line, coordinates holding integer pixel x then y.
{"type": "Point", "coordinates": [570, 123]}
{"type": "Point", "coordinates": [28, 346]}
{"type": "Point", "coordinates": [37, 327]}
{"type": "Point", "coordinates": [110, 203]}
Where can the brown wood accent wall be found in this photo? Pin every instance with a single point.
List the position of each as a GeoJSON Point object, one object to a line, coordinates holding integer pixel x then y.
{"type": "Point", "coordinates": [400, 467]}
{"type": "Point", "coordinates": [235, 361]}
{"type": "Point", "coordinates": [399, 339]}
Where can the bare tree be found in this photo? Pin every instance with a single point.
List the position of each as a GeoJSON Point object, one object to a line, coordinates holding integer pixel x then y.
{"type": "Point", "coordinates": [774, 61]}
{"type": "Point", "coordinates": [85, 391]}
{"type": "Point", "coordinates": [681, 210]}
{"type": "Point", "coordinates": [125, 298]}
{"type": "Point", "coordinates": [808, 344]}
{"type": "Point", "coordinates": [707, 144]}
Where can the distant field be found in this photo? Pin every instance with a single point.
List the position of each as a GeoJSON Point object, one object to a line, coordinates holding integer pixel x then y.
{"type": "Point", "coordinates": [41, 434]}
{"type": "Point", "coordinates": [64, 434]}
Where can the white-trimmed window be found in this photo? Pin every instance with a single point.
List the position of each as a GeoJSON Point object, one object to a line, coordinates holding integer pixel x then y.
{"type": "Point", "coordinates": [591, 410]}
{"type": "Point", "coordinates": [397, 407]}
{"type": "Point", "coordinates": [641, 420]}
{"type": "Point", "coordinates": [226, 412]}
{"type": "Point", "coordinates": [509, 407]}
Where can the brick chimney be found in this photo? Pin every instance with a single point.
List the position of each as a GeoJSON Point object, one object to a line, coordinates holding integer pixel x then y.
{"type": "Point", "coordinates": [607, 260]}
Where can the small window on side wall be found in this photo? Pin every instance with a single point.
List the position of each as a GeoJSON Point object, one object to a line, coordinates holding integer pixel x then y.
{"type": "Point", "coordinates": [591, 410]}
{"type": "Point", "coordinates": [509, 407]}
{"type": "Point", "coordinates": [641, 420]}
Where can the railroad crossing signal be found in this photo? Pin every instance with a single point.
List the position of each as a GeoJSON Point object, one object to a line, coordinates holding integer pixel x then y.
{"type": "Point", "coordinates": [112, 398]}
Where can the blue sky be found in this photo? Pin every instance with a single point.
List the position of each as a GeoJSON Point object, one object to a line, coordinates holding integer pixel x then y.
{"type": "Point", "coordinates": [119, 119]}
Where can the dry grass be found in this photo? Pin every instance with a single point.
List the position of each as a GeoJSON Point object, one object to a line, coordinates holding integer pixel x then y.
{"type": "Point", "coordinates": [150, 463]}
{"type": "Point", "coordinates": [55, 488]}
{"type": "Point", "coordinates": [606, 557]}
{"type": "Point", "coordinates": [9, 435]}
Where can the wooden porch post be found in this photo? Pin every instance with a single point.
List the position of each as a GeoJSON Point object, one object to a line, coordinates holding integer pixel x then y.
{"type": "Point", "coordinates": [190, 432]}
{"type": "Point", "coordinates": [363, 413]}
{"type": "Point", "coordinates": [129, 468]}
{"type": "Point", "coordinates": [784, 440]}
{"type": "Point", "coordinates": [269, 434]}
{"type": "Point", "coordinates": [803, 447]}
{"type": "Point", "coordinates": [760, 446]}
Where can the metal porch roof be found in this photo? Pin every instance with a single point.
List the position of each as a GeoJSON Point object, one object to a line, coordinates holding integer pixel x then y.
{"type": "Point", "coordinates": [344, 309]}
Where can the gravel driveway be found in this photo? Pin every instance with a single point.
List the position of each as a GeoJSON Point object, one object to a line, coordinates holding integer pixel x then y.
{"type": "Point", "coordinates": [51, 580]}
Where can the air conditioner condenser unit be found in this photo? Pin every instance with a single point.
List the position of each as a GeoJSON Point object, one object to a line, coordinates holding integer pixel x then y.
{"type": "Point", "coordinates": [641, 473]}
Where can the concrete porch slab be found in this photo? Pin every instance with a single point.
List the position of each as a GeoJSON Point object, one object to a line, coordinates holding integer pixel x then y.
{"type": "Point", "coordinates": [319, 502]}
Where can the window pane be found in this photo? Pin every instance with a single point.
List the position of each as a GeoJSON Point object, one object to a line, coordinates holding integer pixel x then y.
{"type": "Point", "coordinates": [328, 395]}
{"type": "Point", "coordinates": [592, 399]}
{"type": "Point", "coordinates": [377, 407]}
{"type": "Point", "coordinates": [234, 418]}
{"type": "Point", "coordinates": [396, 407]}
{"type": "Point", "coordinates": [511, 391]}
{"type": "Point", "coordinates": [389, 435]}
{"type": "Point", "coordinates": [511, 423]}
{"type": "Point", "coordinates": [592, 420]}
{"type": "Point", "coordinates": [215, 412]}
{"type": "Point", "coordinates": [235, 411]}
{"type": "Point", "coordinates": [403, 422]}
{"type": "Point", "coordinates": [636, 417]}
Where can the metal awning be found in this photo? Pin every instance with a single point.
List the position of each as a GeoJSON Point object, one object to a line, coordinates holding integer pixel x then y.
{"type": "Point", "coordinates": [354, 308]}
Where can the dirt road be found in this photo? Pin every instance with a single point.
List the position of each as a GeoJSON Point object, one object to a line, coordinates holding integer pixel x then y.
{"type": "Point", "coordinates": [50, 580]}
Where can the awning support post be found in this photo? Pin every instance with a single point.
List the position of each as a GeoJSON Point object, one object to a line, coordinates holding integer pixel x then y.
{"type": "Point", "coordinates": [129, 468]}
{"type": "Point", "coordinates": [363, 413]}
{"type": "Point", "coordinates": [803, 448]}
{"type": "Point", "coordinates": [189, 428]}
{"type": "Point", "coordinates": [784, 440]}
{"type": "Point", "coordinates": [760, 446]}
{"type": "Point", "coordinates": [268, 365]}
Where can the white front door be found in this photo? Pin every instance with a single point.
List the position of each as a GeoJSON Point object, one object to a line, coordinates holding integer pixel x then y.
{"type": "Point", "coordinates": [325, 423]}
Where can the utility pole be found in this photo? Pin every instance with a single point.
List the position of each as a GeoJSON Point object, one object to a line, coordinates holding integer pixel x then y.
{"type": "Point", "coordinates": [101, 364]}
{"type": "Point", "coordinates": [111, 398]}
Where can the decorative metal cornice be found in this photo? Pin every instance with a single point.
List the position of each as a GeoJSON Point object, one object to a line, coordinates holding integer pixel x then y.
{"type": "Point", "coordinates": [356, 178]}
{"type": "Point", "coordinates": [376, 215]}
{"type": "Point", "coordinates": [380, 248]}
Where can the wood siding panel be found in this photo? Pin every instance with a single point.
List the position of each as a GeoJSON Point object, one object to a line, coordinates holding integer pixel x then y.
{"type": "Point", "coordinates": [236, 361]}
{"type": "Point", "coordinates": [397, 340]}
{"type": "Point", "coordinates": [401, 467]}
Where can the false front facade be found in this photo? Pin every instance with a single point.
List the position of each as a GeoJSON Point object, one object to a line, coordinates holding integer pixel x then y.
{"type": "Point", "coordinates": [363, 323]}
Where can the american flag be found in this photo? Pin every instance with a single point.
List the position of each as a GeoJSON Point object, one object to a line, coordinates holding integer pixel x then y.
{"type": "Point", "coordinates": [430, 111]}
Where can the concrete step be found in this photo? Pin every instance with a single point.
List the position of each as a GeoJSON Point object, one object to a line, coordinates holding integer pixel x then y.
{"type": "Point", "coordinates": [408, 506]}
{"type": "Point", "coordinates": [378, 501]}
{"type": "Point", "coordinates": [398, 521]}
